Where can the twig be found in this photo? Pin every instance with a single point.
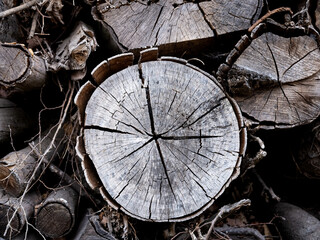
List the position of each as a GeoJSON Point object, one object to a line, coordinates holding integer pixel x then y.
{"type": "Point", "coordinates": [265, 187]}
{"type": "Point", "coordinates": [33, 25]}
{"type": "Point", "coordinates": [43, 157]}
{"type": "Point", "coordinates": [268, 14]}
{"type": "Point", "coordinates": [225, 211]}
{"type": "Point", "coordinates": [18, 8]}
{"type": "Point", "coordinates": [241, 231]}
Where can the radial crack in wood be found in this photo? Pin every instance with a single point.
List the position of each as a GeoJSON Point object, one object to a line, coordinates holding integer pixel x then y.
{"type": "Point", "coordinates": [276, 81]}
{"type": "Point", "coordinates": [164, 138]}
{"type": "Point", "coordinates": [176, 27]}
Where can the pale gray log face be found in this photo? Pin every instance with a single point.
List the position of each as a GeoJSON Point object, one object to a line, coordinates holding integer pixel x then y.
{"type": "Point", "coordinates": [164, 139]}
{"type": "Point", "coordinates": [282, 80]}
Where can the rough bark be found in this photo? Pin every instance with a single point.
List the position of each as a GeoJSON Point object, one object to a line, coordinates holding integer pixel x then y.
{"type": "Point", "coordinates": [73, 52]}
{"type": "Point", "coordinates": [17, 167]}
{"type": "Point", "coordinates": [20, 69]}
{"type": "Point", "coordinates": [163, 137]}
{"type": "Point", "coordinates": [14, 122]}
{"type": "Point", "coordinates": [176, 27]}
{"type": "Point", "coordinates": [55, 216]}
{"type": "Point", "coordinates": [8, 205]}
{"type": "Point", "coordinates": [9, 27]}
{"type": "Point", "coordinates": [276, 81]}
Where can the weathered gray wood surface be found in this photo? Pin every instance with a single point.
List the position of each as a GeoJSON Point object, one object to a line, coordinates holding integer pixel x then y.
{"type": "Point", "coordinates": [90, 228]}
{"type": "Point", "coordinates": [317, 16]}
{"type": "Point", "coordinates": [13, 122]}
{"type": "Point", "coordinates": [276, 81]}
{"type": "Point", "coordinates": [73, 52]}
{"type": "Point", "coordinates": [20, 70]}
{"type": "Point", "coordinates": [175, 26]}
{"type": "Point", "coordinates": [8, 205]}
{"type": "Point", "coordinates": [16, 168]}
{"type": "Point", "coordinates": [231, 16]}
{"type": "Point", "coordinates": [56, 215]}
{"type": "Point", "coordinates": [164, 139]}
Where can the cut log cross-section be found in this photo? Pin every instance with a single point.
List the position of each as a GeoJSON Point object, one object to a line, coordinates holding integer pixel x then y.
{"type": "Point", "coordinates": [164, 138]}
{"type": "Point", "coordinates": [176, 27]}
{"type": "Point", "coordinates": [276, 82]}
{"type": "Point", "coordinates": [20, 70]}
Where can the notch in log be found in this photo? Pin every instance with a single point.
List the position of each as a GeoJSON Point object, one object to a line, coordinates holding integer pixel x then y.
{"type": "Point", "coordinates": [56, 215]}
{"type": "Point", "coordinates": [16, 168]}
{"type": "Point", "coordinates": [163, 137]}
{"type": "Point", "coordinates": [9, 205]}
{"type": "Point", "coordinates": [20, 69]}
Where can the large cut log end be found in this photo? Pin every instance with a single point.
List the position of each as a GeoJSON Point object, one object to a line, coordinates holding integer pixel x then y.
{"type": "Point", "coordinates": [164, 138]}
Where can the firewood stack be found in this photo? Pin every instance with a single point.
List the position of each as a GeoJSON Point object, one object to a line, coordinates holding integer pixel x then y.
{"type": "Point", "coordinates": [159, 119]}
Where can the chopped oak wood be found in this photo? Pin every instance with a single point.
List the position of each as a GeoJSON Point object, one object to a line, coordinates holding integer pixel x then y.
{"type": "Point", "coordinates": [55, 216]}
{"type": "Point", "coordinates": [231, 16]}
{"type": "Point", "coordinates": [164, 138]}
{"type": "Point", "coordinates": [17, 167]}
{"type": "Point", "coordinates": [20, 69]}
{"type": "Point", "coordinates": [276, 81]}
{"type": "Point", "coordinates": [9, 205]}
{"type": "Point", "coordinates": [13, 122]}
{"type": "Point", "coordinates": [176, 27]}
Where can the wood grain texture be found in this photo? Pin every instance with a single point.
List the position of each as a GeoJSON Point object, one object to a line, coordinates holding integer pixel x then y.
{"type": "Point", "coordinates": [16, 167]}
{"type": "Point", "coordinates": [164, 139]}
{"type": "Point", "coordinates": [8, 205]}
{"type": "Point", "coordinates": [55, 216]}
{"type": "Point", "coordinates": [231, 16]}
{"type": "Point", "coordinates": [172, 25]}
{"type": "Point", "coordinates": [20, 70]}
{"type": "Point", "coordinates": [317, 16]}
{"type": "Point", "coordinates": [276, 81]}
{"type": "Point", "coordinates": [13, 121]}
{"type": "Point", "coordinates": [138, 25]}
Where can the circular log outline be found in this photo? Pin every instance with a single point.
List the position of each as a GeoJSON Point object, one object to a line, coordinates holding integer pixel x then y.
{"type": "Point", "coordinates": [65, 207]}
{"type": "Point", "coordinates": [262, 26]}
{"type": "Point", "coordinates": [100, 74]}
{"type": "Point", "coordinates": [57, 198]}
{"type": "Point", "coordinates": [27, 72]}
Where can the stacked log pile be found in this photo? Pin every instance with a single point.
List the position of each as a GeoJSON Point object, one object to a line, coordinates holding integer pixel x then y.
{"type": "Point", "coordinates": [159, 119]}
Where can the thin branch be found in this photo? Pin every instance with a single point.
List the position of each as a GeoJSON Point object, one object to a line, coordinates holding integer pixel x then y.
{"type": "Point", "coordinates": [225, 211]}
{"type": "Point", "coordinates": [19, 8]}
{"type": "Point", "coordinates": [268, 14]}
{"type": "Point", "coordinates": [42, 159]}
{"type": "Point", "coordinates": [241, 231]}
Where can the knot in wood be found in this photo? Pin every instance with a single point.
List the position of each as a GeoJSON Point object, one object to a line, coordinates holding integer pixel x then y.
{"type": "Point", "coordinates": [164, 139]}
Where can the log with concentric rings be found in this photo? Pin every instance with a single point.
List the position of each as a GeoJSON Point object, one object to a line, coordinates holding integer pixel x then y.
{"type": "Point", "coordinates": [163, 137]}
